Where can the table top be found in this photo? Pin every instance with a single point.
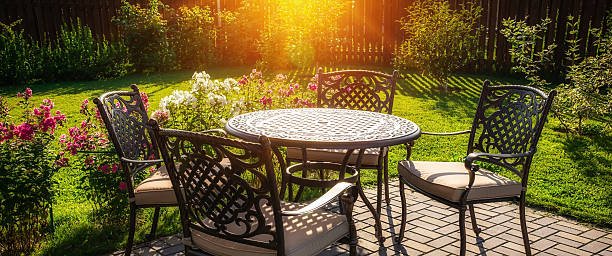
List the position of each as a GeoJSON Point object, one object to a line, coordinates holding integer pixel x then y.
{"type": "Point", "coordinates": [324, 128]}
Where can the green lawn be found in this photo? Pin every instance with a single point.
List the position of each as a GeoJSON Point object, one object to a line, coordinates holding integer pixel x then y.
{"type": "Point", "coordinates": [570, 175]}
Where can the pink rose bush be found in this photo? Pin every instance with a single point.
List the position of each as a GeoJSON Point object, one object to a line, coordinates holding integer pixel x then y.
{"type": "Point", "coordinates": [102, 180]}
{"type": "Point", "coordinates": [27, 165]}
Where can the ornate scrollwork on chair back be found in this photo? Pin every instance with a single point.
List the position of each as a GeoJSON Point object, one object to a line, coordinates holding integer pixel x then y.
{"type": "Point", "coordinates": [509, 120]}
{"type": "Point", "coordinates": [356, 89]}
{"type": "Point", "coordinates": [236, 202]}
{"type": "Point", "coordinates": [126, 119]}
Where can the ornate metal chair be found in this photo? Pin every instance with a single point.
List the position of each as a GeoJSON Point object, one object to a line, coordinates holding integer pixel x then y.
{"type": "Point", "coordinates": [125, 118]}
{"type": "Point", "coordinates": [358, 90]}
{"type": "Point", "coordinates": [504, 135]}
{"type": "Point", "coordinates": [236, 209]}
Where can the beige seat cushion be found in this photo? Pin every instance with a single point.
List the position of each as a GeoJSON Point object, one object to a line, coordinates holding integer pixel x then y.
{"type": "Point", "coordinates": [306, 234]}
{"type": "Point", "coordinates": [157, 188]}
{"type": "Point", "coordinates": [449, 179]}
{"type": "Point", "coordinates": [370, 156]}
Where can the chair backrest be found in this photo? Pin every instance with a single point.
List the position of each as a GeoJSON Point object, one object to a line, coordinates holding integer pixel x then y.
{"type": "Point", "coordinates": [225, 201]}
{"type": "Point", "coordinates": [125, 118]}
{"type": "Point", "coordinates": [356, 89]}
{"type": "Point", "coordinates": [509, 120]}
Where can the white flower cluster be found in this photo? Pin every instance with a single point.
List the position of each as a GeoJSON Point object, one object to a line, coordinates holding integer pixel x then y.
{"type": "Point", "coordinates": [220, 97]}
{"type": "Point", "coordinates": [202, 84]}
{"type": "Point", "coordinates": [177, 99]}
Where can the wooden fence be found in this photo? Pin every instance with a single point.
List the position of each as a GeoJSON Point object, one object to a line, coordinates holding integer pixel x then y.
{"type": "Point", "coordinates": [369, 27]}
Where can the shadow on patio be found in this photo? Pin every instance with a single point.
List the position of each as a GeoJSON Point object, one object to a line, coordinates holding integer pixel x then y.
{"type": "Point", "coordinates": [433, 230]}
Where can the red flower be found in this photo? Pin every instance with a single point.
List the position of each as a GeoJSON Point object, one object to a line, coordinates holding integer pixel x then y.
{"type": "Point", "coordinates": [266, 101]}
{"type": "Point", "coordinates": [122, 186]}
{"type": "Point", "coordinates": [312, 86]}
{"type": "Point", "coordinates": [244, 80]}
{"type": "Point", "coordinates": [27, 93]}
{"type": "Point", "coordinates": [104, 168]}
{"type": "Point", "coordinates": [84, 106]}
{"type": "Point", "coordinates": [24, 131]}
{"type": "Point", "coordinates": [145, 100]}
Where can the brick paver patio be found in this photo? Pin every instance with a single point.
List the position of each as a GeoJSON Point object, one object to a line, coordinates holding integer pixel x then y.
{"type": "Point", "coordinates": [433, 230]}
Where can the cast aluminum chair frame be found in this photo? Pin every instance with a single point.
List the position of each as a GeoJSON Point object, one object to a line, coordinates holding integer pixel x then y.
{"type": "Point", "coordinates": [215, 199]}
{"type": "Point", "coordinates": [505, 131]}
{"type": "Point", "coordinates": [125, 118]}
{"type": "Point", "coordinates": [358, 90]}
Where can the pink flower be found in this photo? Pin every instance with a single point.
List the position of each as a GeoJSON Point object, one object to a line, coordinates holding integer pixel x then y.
{"type": "Point", "coordinates": [312, 86]}
{"type": "Point", "coordinates": [48, 125]}
{"type": "Point", "coordinates": [244, 80]}
{"type": "Point", "coordinates": [265, 101]}
{"type": "Point", "coordinates": [49, 103]}
{"type": "Point", "coordinates": [115, 168]}
{"type": "Point", "coordinates": [27, 93]}
{"type": "Point", "coordinates": [37, 112]}
{"type": "Point", "coordinates": [161, 116]}
{"type": "Point", "coordinates": [6, 133]}
{"type": "Point", "coordinates": [98, 116]}
{"type": "Point", "coordinates": [24, 131]}
{"type": "Point", "coordinates": [104, 168]}
{"type": "Point", "coordinates": [122, 186]}
{"type": "Point", "coordinates": [145, 100]}
{"type": "Point", "coordinates": [62, 139]}
{"type": "Point", "coordinates": [84, 106]}
{"type": "Point", "coordinates": [61, 162]}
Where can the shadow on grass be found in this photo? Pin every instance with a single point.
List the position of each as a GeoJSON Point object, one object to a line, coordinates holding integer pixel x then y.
{"type": "Point", "coordinates": [88, 238]}
{"type": "Point", "coordinates": [593, 161]}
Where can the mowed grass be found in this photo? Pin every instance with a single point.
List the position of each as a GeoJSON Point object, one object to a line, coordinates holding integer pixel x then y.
{"type": "Point", "coordinates": [570, 175]}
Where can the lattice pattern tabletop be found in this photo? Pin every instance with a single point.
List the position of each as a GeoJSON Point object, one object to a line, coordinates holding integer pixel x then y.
{"type": "Point", "coordinates": [324, 128]}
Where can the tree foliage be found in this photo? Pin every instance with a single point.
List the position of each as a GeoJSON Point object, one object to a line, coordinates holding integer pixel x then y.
{"type": "Point", "coordinates": [439, 40]}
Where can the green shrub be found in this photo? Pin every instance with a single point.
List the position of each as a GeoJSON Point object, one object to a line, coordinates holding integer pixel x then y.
{"type": "Point", "coordinates": [192, 33]}
{"type": "Point", "coordinates": [77, 55]}
{"type": "Point", "coordinates": [74, 55]}
{"type": "Point", "coordinates": [20, 59]}
{"type": "Point", "coordinates": [588, 91]}
{"type": "Point", "coordinates": [439, 40]}
{"type": "Point", "coordinates": [102, 181]}
{"type": "Point", "coordinates": [27, 165]}
{"type": "Point", "coordinates": [527, 59]}
{"type": "Point", "coordinates": [144, 31]}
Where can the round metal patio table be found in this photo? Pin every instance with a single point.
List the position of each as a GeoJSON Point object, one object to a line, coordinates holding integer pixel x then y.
{"type": "Point", "coordinates": [326, 128]}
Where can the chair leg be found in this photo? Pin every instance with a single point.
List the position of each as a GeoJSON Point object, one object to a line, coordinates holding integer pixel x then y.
{"type": "Point", "coordinates": [379, 188]}
{"type": "Point", "coordinates": [475, 227]}
{"type": "Point", "coordinates": [524, 225]}
{"type": "Point", "coordinates": [402, 191]}
{"type": "Point", "coordinates": [130, 242]}
{"type": "Point", "coordinates": [151, 235]}
{"type": "Point", "coordinates": [462, 230]}
{"type": "Point", "coordinates": [386, 173]}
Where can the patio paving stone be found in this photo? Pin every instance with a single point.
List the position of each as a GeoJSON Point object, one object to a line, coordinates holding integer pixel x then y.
{"type": "Point", "coordinates": [432, 229]}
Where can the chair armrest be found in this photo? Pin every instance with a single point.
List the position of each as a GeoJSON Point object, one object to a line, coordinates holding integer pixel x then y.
{"type": "Point", "coordinates": [143, 162]}
{"type": "Point", "coordinates": [446, 133]}
{"type": "Point", "coordinates": [330, 195]}
{"type": "Point", "coordinates": [492, 158]}
{"type": "Point", "coordinates": [221, 132]}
